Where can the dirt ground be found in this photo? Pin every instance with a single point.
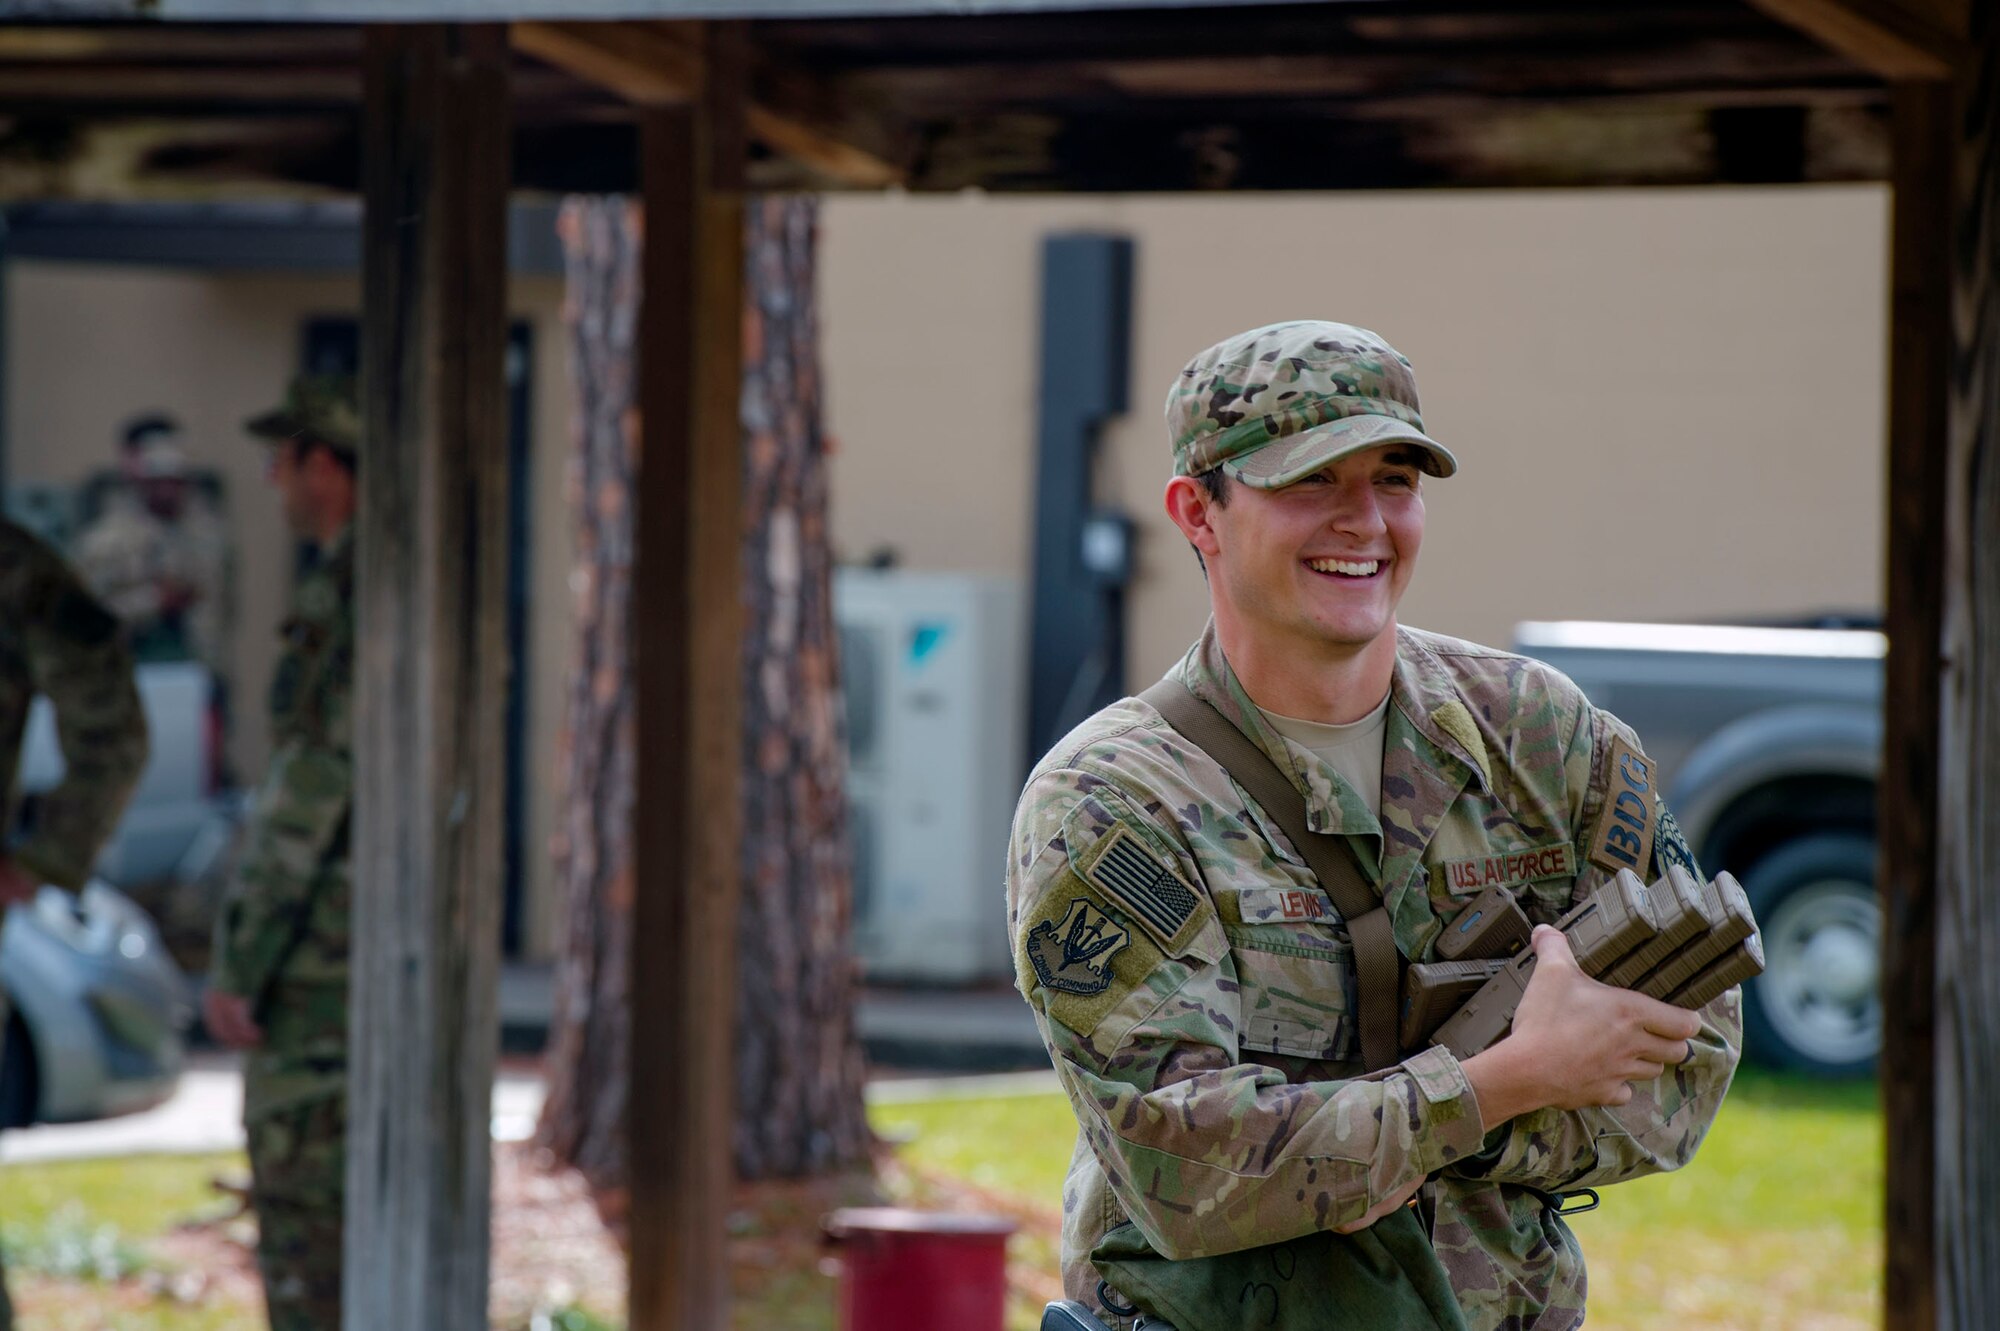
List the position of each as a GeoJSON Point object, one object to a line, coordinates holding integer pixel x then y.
{"type": "Point", "coordinates": [553, 1250]}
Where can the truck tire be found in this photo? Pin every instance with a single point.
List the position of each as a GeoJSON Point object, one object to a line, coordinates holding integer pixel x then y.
{"type": "Point", "coordinates": [1817, 1007]}
{"type": "Point", "coordinates": [17, 1074]}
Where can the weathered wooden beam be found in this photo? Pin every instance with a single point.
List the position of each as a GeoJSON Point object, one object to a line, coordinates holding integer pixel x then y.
{"type": "Point", "coordinates": [687, 645]}
{"type": "Point", "coordinates": [1907, 818]}
{"type": "Point", "coordinates": [153, 41]}
{"type": "Point", "coordinates": [1692, 67]}
{"type": "Point", "coordinates": [635, 60]}
{"type": "Point", "coordinates": [1967, 1029]}
{"type": "Point", "coordinates": [126, 82]}
{"type": "Point", "coordinates": [1940, 796]}
{"type": "Point", "coordinates": [987, 32]}
{"type": "Point", "coordinates": [430, 678]}
{"type": "Point", "coordinates": [651, 64]}
{"type": "Point", "coordinates": [1288, 147]}
{"type": "Point", "coordinates": [822, 151]}
{"type": "Point", "coordinates": [1892, 38]}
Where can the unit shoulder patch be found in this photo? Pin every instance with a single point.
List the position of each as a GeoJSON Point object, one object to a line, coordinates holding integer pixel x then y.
{"type": "Point", "coordinates": [1074, 955]}
{"type": "Point", "coordinates": [1084, 964]}
{"type": "Point", "coordinates": [1670, 847]}
{"type": "Point", "coordinates": [1625, 828]}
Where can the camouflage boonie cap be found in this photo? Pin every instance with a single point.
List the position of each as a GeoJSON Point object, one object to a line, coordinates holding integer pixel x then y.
{"type": "Point", "coordinates": [1276, 404]}
{"type": "Point", "coordinates": [320, 407]}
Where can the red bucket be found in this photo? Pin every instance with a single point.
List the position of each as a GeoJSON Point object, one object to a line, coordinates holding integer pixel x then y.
{"type": "Point", "coordinates": [904, 1270]}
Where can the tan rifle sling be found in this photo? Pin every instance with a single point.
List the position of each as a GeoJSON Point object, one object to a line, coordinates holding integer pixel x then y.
{"type": "Point", "coordinates": [1377, 963]}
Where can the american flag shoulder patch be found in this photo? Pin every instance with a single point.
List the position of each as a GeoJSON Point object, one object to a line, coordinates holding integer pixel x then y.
{"type": "Point", "coordinates": [1138, 880]}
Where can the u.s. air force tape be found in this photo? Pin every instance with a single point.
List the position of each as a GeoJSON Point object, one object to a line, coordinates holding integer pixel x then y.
{"type": "Point", "coordinates": [1131, 874]}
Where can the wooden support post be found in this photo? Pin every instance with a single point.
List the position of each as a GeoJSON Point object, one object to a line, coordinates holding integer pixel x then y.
{"type": "Point", "coordinates": [1907, 821]}
{"type": "Point", "coordinates": [687, 645]}
{"type": "Point", "coordinates": [430, 678]}
{"type": "Point", "coordinates": [1940, 810]}
{"type": "Point", "coordinates": [1967, 1033]}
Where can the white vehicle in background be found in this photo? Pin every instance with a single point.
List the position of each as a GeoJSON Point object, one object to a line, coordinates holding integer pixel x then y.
{"type": "Point", "coordinates": [99, 1007]}
{"type": "Point", "coordinates": [1769, 743]}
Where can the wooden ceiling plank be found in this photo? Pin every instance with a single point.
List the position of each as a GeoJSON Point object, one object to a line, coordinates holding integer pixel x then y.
{"type": "Point", "coordinates": [823, 152]}
{"type": "Point", "coordinates": [1886, 36]}
{"type": "Point", "coordinates": [1722, 69]}
{"type": "Point", "coordinates": [1354, 30]}
{"type": "Point", "coordinates": [123, 84]}
{"type": "Point", "coordinates": [650, 65]}
{"type": "Point", "coordinates": [155, 42]}
{"type": "Point", "coordinates": [629, 59]}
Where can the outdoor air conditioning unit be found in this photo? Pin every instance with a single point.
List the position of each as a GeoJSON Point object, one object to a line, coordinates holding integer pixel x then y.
{"type": "Point", "coordinates": [934, 672]}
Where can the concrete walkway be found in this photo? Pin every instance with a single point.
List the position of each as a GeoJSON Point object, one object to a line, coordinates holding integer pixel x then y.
{"type": "Point", "coordinates": [923, 1044]}
{"type": "Point", "coordinates": [206, 1114]}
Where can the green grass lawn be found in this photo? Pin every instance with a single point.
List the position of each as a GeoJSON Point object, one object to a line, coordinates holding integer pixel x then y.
{"type": "Point", "coordinates": [1776, 1225]}
{"type": "Point", "coordinates": [83, 1244]}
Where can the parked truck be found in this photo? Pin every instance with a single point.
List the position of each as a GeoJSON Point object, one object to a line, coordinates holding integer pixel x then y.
{"type": "Point", "coordinates": [1769, 745]}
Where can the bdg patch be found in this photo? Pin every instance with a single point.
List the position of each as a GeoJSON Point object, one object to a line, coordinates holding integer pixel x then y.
{"type": "Point", "coordinates": [1128, 872]}
{"type": "Point", "coordinates": [1624, 837]}
{"type": "Point", "coordinates": [1074, 955]}
{"type": "Point", "coordinates": [1510, 869]}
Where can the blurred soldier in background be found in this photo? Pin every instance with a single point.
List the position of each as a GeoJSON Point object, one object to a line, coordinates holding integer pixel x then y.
{"type": "Point", "coordinates": [278, 988]}
{"type": "Point", "coordinates": [158, 553]}
{"type": "Point", "coordinates": [56, 639]}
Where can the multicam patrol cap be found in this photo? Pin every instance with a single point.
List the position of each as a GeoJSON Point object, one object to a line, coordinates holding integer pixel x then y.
{"type": "Point", "coordinates": [320, 407]}
{"type": "Point", "coordinates": [1276, 404]}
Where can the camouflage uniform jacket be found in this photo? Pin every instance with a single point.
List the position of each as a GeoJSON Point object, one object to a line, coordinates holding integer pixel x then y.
{"type": "Point", "coordinates": [282, 939]}
{"type": "Point", "coordinates": [57, 640]}
{"type": "Point", "coordinates": [127, 555]}
{"type": "Point", "coordinates": [1195, 987]}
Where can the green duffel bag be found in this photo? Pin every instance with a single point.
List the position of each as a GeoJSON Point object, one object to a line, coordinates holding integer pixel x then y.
{"type": "Point", "coordinates": [1383, 1278]}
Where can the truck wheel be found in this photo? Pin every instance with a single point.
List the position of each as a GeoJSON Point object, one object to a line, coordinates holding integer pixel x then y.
{"type": "Point", "coordinates": [1817, 1007]}
{"type": "Point", "coordinates": [17, 1074]}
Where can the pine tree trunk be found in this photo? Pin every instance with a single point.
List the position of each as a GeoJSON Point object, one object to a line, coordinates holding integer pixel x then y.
{"type": "Point", "coordinates": [583, 1118]}
{"type": "Point", "coordinates": [799, 1072]}
{"type": "Point", "coordinates": [799, 1066]}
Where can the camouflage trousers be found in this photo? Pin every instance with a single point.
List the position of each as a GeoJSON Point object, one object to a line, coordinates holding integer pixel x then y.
{"type": "Point", "coordinates": [298, 1180]}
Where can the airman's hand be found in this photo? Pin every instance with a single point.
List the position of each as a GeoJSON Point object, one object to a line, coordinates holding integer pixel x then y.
{"type": "Point", "coordinates": [227, 1017]}
{"type": "Point", "coordinates": [1576, 1043]}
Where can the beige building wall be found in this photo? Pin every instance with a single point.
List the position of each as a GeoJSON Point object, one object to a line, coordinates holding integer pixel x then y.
{"type": "Point", "coordinates": [1666, 404]}
{"type": "Point", "coordinates": [90, 346]}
